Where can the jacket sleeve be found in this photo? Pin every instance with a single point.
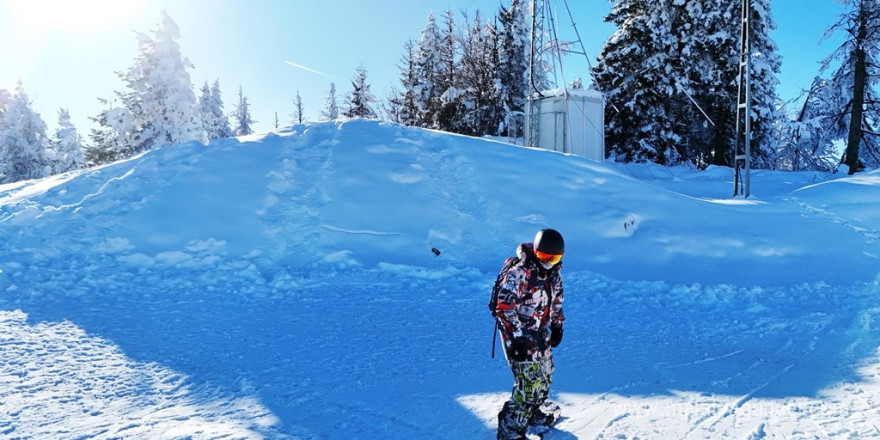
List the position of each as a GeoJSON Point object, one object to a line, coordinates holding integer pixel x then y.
{"type": "Point", "coordinates": [557, 317]}
{"type": "Point", "coordinates": [509, 299]}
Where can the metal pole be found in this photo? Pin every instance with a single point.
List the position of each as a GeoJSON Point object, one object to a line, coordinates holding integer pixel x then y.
{"type": "Point", "coordinates": [494, 335]}
{"type": "Point", "coordinates": [743, 110]}
{"type": "Point", "coordinates": [748, 58]}
{"type": "Point", "coordinates": [529, 135]}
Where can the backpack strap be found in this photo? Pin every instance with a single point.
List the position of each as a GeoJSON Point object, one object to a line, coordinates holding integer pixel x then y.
{"type": "Point", "coordinates": [496, 288]}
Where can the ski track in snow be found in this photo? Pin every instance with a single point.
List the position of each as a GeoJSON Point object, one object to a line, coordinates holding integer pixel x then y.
{"type": "Point", "coordinates": [58, 382]}
{"type": "Point", "coordinates": [715, 415]}
{"type": "Point", "coordinates": [810, 210]}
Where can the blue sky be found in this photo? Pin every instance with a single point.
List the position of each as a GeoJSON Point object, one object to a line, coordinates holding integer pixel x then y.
{"type": "Point", "coordinates": [67, 55]}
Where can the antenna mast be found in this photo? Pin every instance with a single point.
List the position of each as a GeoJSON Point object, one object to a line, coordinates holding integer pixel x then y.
{"type": "Point", "coordinates": [537, 40]}
{"type": "Point", "coordinates": [559, 120]}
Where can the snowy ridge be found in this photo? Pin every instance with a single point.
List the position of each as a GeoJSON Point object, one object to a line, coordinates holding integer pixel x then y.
{"type": "Point", "coordinates": [284, 286]}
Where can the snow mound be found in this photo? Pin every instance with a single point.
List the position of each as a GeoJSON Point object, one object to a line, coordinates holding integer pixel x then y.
{"type": "Point", "coordinates": [330, 281]}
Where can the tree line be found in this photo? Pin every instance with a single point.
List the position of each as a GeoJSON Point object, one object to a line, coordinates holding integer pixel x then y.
{"type": "Point", "coordinates": [157, 108]}
{"type": "Point", "coordinates": [671, 72]}
{"type": "Point", "coordinates": [670, 78]}
{"type": "Point", "coordinates": [669, 75]}
{"type": "Point", "coordinates": [467, 78]}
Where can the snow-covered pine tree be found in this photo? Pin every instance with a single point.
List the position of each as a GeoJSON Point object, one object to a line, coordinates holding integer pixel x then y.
{"type": "Point", "coordinates": [766, 62]}
{"type": "Point", "coordinates": [110, 141]}
{"type": "Point", "coordinates": [67, 153]}
{"type": "Point", "coordinates": [481, 106]}
{"type": "Point", "coordinates": [298, 116]}
{"type": "Point", "coordinates": [427, 74]}
{"type": "Point", "coordinates": [242, 116]}
{"type": "Point", "coordinates": [494, 95]}
{"type": "Point", "coordinates": [709, 42]}
{"type": "Point", "coordinates": [447, 115]}
{"type": "Point", "coordinates": [204, 108]}
{"type": "Point", "coordinates": [806, 143]}
{"type": "Point", "coordinates": [403, 106]}
{"type": "Point", "coordinates": [704, 94]}
{"type": "Point", "coordinates": [221, 121]}
{"type": "Point", "coordinates": [360, 100]}
{"type": "Point", "coordinates": [5, 99]}
{"type": "Point", "coordinates": [632, 71]}
{"type": "Point", "coordinates": [160, 94]}
{"type": "Point", "coordinates": [667, 64]}
{"type": "Point", "coordinates": [855, 84]}
{"type": "Point", "coordinates": [23, 141]}
{"type": "Point", "coordinates": [513, 64]}
{"type": "Point", "coordinates": [211, 109]}
{"type": "Point", "coordinates": [331, 108]}
{"type": "Point", "coordinates": [389, 108]}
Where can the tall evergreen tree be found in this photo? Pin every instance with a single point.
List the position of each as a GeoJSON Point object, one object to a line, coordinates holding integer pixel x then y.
{"type": "Point", "coordinates": [298, 116]}
{"type": "Point", "coordinates": [360, 100]}
{"type": "Point", "coordinates": [513, 63]}
{"type": "Point", "coordinates": [23, 141]}
{"type": "Point", "coordinates": [629, 66]}
{"type": "Point", "coordinates": [404, 107]}
{"type": "Point", "coordinates": [5, 100]}
{"type": "Point", "coordinates": [855, 84]}
{"type": "Point", "coordinates": [464, 79]}
{"type": "Point", "coordinates": [426, 63]}
{"type": "Point", "coordinates": [712, 68]}
{"type": "Point", "coordinates": [67, 151]}
{"type": "Point", "coordinates": [670, 72]}
{"type": "Point", "coordinates": [204, 108]}
{"type": "Point", "coordinates": [480, 97]}
{"type": "Point", "coordinates": [765, 63]}
{"type": "Point", "coordinates": [160, 94]}
{"type": "Point", "coordinates": [242, 115]}
{"type": "Point", "coordinates": [110, 139]}
{"type": "Point", "coordinates": [806, 141]}
{"type": "Point", "coordinates": [331, 108]}
{"type": "Point", "coordinates": [214, 119]}
{"type": "Point", "coordinates": [446, 102]}
{"type": "Point", "coordinates": [705, 96]}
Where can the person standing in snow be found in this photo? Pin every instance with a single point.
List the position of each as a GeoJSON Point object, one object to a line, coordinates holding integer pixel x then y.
{"type": "Point", "coordinates": [529, 314]}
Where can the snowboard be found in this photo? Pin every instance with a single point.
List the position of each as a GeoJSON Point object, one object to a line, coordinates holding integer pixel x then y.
{"type": "Point", "coordinates": [553, 412]}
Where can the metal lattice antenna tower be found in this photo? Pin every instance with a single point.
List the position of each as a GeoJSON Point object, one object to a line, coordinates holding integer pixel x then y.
{"type": "Point", "coordinates": [546, 48]}
{"type": "Point", "coordinates": [549, 121]}
{"type": "Point", "coordinates": [537, 44]}
{"type": "Point", "coordinates": [742, 146]}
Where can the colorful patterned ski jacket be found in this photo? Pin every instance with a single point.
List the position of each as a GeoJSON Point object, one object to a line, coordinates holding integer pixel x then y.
{"type": "Point", "coordinates": [530, 300]}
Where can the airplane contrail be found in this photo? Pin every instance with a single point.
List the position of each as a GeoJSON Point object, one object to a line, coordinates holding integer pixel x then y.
{"type": "Point", "coordinates": [307, 69]}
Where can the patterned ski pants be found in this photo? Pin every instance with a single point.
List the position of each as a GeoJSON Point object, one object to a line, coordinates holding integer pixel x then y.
{"type": "Point", "coordinates": [530, 389]}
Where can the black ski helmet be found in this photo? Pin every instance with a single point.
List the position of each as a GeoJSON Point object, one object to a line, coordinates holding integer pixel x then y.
{"type": "Point", "coordinates": [549, 241]}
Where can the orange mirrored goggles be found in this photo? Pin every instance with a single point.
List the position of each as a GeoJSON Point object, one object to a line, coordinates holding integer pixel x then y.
{"type": "Point", "coordinates": [548, 258]}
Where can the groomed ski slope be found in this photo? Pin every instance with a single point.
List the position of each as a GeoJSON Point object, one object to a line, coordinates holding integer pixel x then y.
{"type": "Point", "coordinates": [282, 286]}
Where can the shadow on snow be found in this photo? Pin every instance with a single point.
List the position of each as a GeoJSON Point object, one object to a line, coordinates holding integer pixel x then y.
{"type": "Point", "coordinates": [378, 357]}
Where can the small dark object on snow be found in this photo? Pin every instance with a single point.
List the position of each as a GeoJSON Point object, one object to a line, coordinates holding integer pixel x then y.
{"type": "Point", "coordinates": [435, 251]}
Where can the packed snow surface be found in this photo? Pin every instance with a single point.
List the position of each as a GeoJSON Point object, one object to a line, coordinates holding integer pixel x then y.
{"type": "Point", "coordinates": [283, 286]}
